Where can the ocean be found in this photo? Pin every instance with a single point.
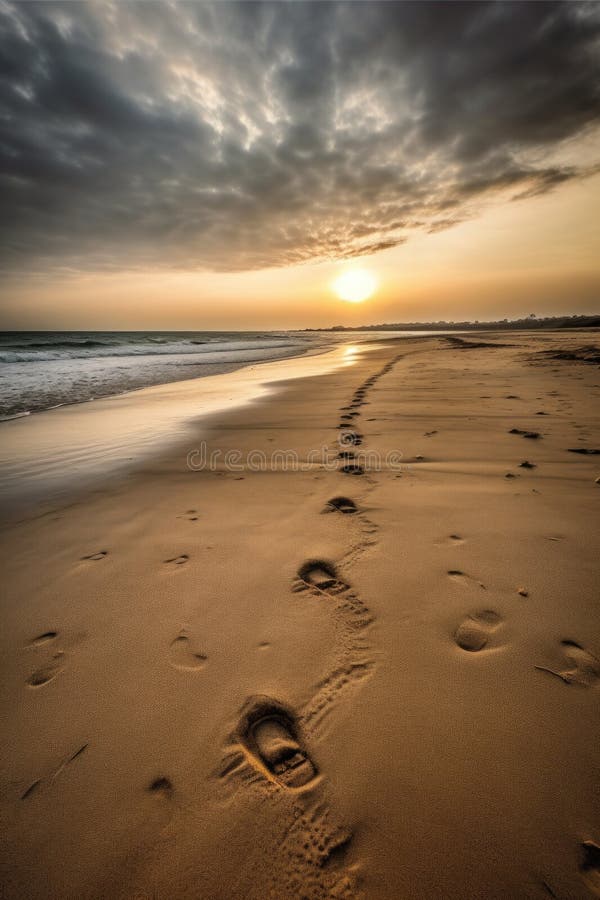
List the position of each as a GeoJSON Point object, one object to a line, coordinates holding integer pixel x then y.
{"type": "Point", "coordinates": [46, 369]}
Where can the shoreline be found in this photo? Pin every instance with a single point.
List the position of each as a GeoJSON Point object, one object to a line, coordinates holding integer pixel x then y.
{"type": "Point", "coordinates": [412, 628]}
{"type": "Point", "coordinates": [53, 456]}
{"type": "Point", "coordinates": [60, 380]}
{"type": "Point", "coordinates": [196, 365]}
{"type": "Point", "coordinates": [144, 424]}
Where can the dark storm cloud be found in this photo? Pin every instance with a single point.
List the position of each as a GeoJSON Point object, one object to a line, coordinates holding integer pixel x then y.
{"type": "Point", "coordinates": [234, 136]}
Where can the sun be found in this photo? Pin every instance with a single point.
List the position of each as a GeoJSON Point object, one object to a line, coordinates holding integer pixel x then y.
{"type": "Point", "coordinates": [355, 285]}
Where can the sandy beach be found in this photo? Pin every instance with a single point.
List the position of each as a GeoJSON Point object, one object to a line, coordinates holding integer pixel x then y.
{"type": "Point", "coordinates": [355, 655]}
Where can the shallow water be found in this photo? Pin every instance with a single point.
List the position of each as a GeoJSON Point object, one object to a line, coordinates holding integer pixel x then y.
{"type": "Point", "coordinates": [42, 370]}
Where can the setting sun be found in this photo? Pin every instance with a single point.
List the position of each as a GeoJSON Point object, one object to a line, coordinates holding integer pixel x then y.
{"type": "Point", "coordinates": [355, 285]}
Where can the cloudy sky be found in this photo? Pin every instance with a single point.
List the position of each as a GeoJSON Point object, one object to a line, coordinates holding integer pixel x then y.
{"type": "Point", "coordinates": [213, 164]}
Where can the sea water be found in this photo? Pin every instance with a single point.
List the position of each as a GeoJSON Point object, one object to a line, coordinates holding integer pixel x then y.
{"type": "Point", "coordinates": [46, 369]}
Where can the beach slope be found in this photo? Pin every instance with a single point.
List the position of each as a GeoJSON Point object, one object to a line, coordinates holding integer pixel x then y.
{"type": "Point", "coordinates": [347, 648]}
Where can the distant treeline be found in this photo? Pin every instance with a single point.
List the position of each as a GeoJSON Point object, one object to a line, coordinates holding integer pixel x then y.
{"type": "Point", "coordinates": [500, 325]}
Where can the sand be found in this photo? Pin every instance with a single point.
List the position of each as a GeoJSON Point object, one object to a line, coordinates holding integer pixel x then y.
{"type": "Point", "coordinates": [305, 682]}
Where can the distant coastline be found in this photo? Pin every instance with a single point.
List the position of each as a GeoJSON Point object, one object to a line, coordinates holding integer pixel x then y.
{"type": "Point", "coordinates": [499, 325]}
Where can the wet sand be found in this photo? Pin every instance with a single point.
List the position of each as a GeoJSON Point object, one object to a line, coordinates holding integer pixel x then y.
{"type": "Point", "coordinates": [293, 680]}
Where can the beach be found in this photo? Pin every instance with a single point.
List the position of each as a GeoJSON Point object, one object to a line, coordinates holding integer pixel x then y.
{"type": "Point", "coordinates": [340, 641]}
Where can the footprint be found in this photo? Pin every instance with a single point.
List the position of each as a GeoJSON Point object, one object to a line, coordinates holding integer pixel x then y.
{"type": "Point", "coordinates": [341, 504]}
{"type": "Point", "coordinates": [190, 514]}
{"type": "Point", "coordinates": [332, 853]}
{"type": "Point", "coordinates": [320, 574]}
{"type": "Point", "coordinates": [450, 541]}
{"type": "Point", "coordinates": [350, 662]}
{"type": "Point", "coordinates": [47, 672]}
{"type": "Point", "coordinates": [178, 560]}
{"type": "Point", "coordinates": [464, 579]}
{"type": "Point", "coordinates": [44, 638]}
{"type": "Point", "coordinates": [161, 787]}
{"type": "Point", "coordinates": [590, 866]}
{"type": "Point", "coordinates": [352, 469]}
{"type": "Point", "coordinates": [270, 736]}
{"type": "Point", "coordinates": [583, 668]}
{"type": "Point", "coordinates": [474, 632]}
{"type": "Point", "coordinates": [532, 435]}
{"type": "Point", "coordinates": [350, 438]}
{"type": "Point", "coordinates": [182, 655]}
{"type": "Point", "coordinates": [99, 555]}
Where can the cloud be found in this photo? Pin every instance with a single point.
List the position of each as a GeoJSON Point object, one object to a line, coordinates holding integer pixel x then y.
{"type": "Point", "coordinates": [237, 136]}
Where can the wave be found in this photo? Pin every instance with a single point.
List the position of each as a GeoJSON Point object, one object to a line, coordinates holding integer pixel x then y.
{"type": "Point", "coordinates": [56, 345]}
{"type": "Point", "coordinates": [18, 415]}
{"type": "Point", "coordinates": [43, 370]}
{"type": "Point", "coordinates": [42, 351]}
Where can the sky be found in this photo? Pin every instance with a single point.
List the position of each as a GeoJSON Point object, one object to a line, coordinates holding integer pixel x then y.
{"type": "Point", "coordinates": [218, 165]}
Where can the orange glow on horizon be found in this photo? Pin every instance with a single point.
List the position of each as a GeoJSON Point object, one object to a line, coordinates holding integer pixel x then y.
{"type": "Point", "coordinates": [540, 255]}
